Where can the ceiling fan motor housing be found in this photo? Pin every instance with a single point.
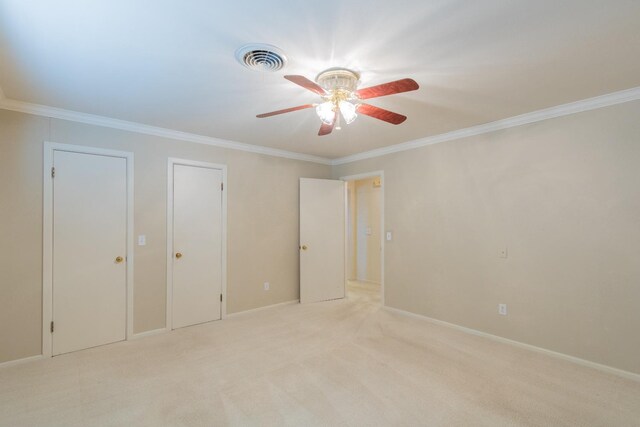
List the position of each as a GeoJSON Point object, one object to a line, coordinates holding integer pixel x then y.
{"type": "Point", "coordinates": [338, 79]}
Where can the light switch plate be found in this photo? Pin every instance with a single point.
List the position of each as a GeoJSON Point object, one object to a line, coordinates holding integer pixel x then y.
{"type": "Point", "coordinates": [142, 240]}
{"type": "Point", "coordinates": [266, 286]}
{"type": "Point", "coordinates": [503, 252]}
{"type": "Point", "coordinates": [502, 309]}
{"type": "Point", "coordinates": [389, 235]}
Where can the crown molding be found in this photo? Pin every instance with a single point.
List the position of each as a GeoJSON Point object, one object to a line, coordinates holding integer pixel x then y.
{"type": "Point", "coordinates": [607, 100]}
{"type": "Point", "coordinates": [614, 98]}
{"type": "Point", "coordinates": [92, 119]}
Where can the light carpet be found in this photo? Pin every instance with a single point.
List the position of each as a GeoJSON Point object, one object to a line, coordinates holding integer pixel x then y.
{"type": "Point", "coordinates": [340, 363]}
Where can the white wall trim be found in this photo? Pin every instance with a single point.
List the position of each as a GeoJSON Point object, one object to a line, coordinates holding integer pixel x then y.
{"type": "Point", "coordinates": [21, 361]}
{"type": "Point", "coordinates": [532, 117]}
{"type": "Point", "coordinates": [383, 239]}
{"type": "Point", "coordinates": [171, 161]}
{"type": "Point", "coordinates": [254, 310]}
{"type": "Point", "coordinates": [47, 234]}
{"type": "Point", "coordinates": [93, 119]}
{"type": "Point", "coordinates": [149, 333]}
{"type": "Point", "coordinates": [604, 368]}
{"type": "Point", "coordinates": [606, 100]}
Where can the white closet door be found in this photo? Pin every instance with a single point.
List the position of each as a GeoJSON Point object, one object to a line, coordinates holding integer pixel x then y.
{"type": "Point", "coordinates": [197, 245]}
{"type": "Point", "coordinates": [89, 250]}
{"type": "Point", "coordinates": [322, 239]}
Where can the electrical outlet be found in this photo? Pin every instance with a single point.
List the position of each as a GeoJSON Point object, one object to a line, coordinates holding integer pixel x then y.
{"type": "Point", "coordinates": [266, 286]}
{"type": "Point", "coordinates": [503, 252]}
{"type": "Point", "coordinates": [502, 309]}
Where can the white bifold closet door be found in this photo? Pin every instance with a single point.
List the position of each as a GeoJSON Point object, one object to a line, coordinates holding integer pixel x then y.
{"type": "Point", "coordinates": [322, 239]}
{"type": "Point", "coordinates": [89, 250]}
{"type": "Point", "coordinates": [197, 245]}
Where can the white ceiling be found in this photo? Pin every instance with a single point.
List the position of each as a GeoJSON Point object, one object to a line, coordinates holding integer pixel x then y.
{"type": "Point", "coordinates": [170, 63]}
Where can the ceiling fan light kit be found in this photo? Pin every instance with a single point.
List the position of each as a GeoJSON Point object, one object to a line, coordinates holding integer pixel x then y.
{"type": "Point", "coordinates": [338, 88]}
{"type": "Point", "coordinates": [339, 85]}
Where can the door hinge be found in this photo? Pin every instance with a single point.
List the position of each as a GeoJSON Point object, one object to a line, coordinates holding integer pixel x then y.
{"type": "Point", "coordinates": [220, 297]}
{"type": "Point", "coordinates": [53, 172]}
{"type": "Point", "coordinates": [52, 327]}
{"type": "Point", "coordinates": [222, 186]}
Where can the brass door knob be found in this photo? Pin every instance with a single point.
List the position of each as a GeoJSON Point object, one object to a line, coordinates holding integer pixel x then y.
{"type": "Point", "coordinates": [119, 259]}
{"type": "Point", "coordinates": [178, 255]}
{"type": "Point", "coordinates": [304, 247]}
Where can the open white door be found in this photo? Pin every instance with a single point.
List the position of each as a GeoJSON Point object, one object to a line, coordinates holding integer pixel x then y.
{"type": "Point", "coordinates": [322, 239]}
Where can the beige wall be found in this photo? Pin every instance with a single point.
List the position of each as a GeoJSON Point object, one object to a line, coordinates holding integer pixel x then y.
{"type": "Point", "coordinates": [262, 222]}
{"type": "Point", "coordinates": [563, 196]}
{"type": "Point", "coordinates": [20, 234]}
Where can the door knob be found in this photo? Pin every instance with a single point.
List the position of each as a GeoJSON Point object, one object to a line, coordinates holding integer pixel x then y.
{"type": "Point", "coordinates": [304, 247]}
{"type": "Point", "coordinates": [119, 259]}
{"type": "Point", "coordinates": [178, 255]}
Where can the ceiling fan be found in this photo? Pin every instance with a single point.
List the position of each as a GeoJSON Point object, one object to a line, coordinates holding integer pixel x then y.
{"type": "Point", "coordinates": [341, 98]}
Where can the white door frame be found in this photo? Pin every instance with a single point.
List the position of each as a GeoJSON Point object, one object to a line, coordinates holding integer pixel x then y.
{"type": "Point", "coordinates": [47, 235]}
{"type": "Point", "coordinates": [364, 175]}
{"type": "Point", "coordinates": [170, 163]}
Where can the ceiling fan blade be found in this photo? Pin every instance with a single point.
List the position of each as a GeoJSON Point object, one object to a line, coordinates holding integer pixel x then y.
{"type": "Point", "coordinates": [286, 110]}
{"type": "Point", "coordinates": [326, 129]}
{"type": "Point", "coordinates": [381, 114]}
{"type": "Point", "coordinates": [398, 86]}
{"type": "Point", "coordinates": [306, 83]}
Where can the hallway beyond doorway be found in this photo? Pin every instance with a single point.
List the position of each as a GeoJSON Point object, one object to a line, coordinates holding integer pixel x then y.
{"type": "Point", "coordinates": [364, 292]}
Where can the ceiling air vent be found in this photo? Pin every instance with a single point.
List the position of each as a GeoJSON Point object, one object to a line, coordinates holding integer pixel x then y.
{"type": "Point", "coordinates": [261, 57]}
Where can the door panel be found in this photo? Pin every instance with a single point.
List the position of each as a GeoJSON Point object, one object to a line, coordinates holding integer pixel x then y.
{"type": "Point", "coordinates": [197, 237]}
{"type": "Point", "coordinates": [322, 233]}
{"type": "Point", "coordinates": [89, 233]}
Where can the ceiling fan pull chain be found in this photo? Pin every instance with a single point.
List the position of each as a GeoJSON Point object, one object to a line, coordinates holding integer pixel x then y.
{"type": "Point", "coordinates": [337, 126]}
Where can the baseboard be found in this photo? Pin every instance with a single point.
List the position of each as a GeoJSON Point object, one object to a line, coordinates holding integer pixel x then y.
{"type": "Point", "coordinates": [148, 333]}
{"type": "Point", "coordinates": [253, 310]}
{"type": "Point", "coordinates": [557, 355]}
{"type": "Point", "coordinates": [21, 361]}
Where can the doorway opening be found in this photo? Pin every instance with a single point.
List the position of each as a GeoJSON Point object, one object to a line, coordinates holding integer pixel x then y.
{"type": "Point", "coordinates": [364, 237]}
